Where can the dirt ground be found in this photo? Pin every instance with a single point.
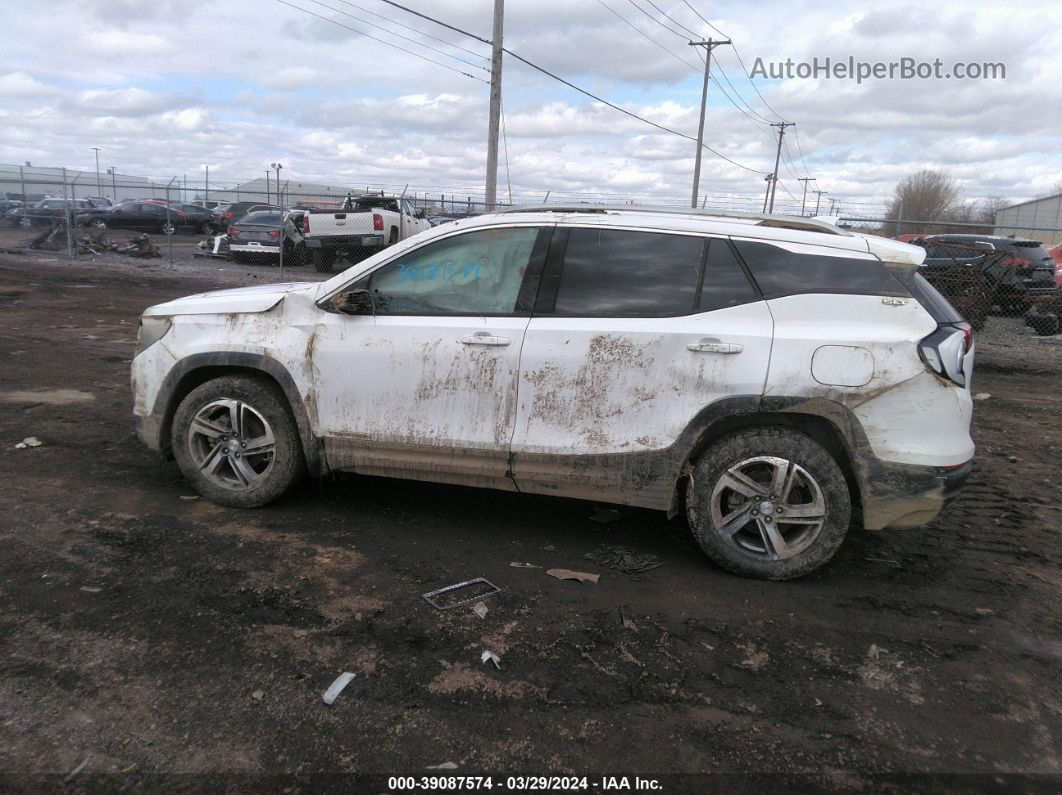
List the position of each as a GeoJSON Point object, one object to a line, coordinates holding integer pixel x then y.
{"type": "Point", "coordinates": [152, 633]}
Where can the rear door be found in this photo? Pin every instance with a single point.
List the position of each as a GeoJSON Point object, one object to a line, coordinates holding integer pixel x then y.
{"type": "Point", "coordinates": [425, 388]}
{"type": "Point", "coordinates": [634, 334]}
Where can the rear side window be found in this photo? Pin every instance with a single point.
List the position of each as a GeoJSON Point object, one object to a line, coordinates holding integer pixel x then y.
{"type": "Point", "coordinates": [779, 272]}
{"type": "Point", "coordinates": [927, 295]}
{"type": "Point", "coordinates": [614, 273]}
{"type": "Point", "coordinates": [725, 283]}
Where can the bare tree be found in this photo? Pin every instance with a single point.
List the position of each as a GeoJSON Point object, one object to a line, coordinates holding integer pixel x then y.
{"type": "Point", "coordinates": [926, 195]}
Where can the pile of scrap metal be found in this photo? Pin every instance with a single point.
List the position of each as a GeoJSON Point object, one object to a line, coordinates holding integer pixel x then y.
{"type": "Point", "coordinates": [51, 239]}
{"type": "Point", "coordinates": [140, 246]}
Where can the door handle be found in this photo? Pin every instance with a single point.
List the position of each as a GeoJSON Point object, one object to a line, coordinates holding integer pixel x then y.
{"type": "Point", "coordinates": [708, 345]}
{"type": "Point", "coordinates": [485, 338]}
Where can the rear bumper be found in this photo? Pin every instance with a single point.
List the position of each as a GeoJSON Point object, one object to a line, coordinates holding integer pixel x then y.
{"type": "Point", "coordinates": [342, 241]}
{"type": "Point", "coordinates": [262, 248]}
{"type": "Point", "coordinates": [904, 496]}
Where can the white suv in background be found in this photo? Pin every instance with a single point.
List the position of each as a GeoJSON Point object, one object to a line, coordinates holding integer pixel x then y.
{"type": "Point", "coordinates": [776, 378]}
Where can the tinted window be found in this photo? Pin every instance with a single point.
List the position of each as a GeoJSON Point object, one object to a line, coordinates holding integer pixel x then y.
{"type": "Point", "coordinates": [612, 273]}
{"type": "Point", "coordinates": [779, 272]}
{"type": "Point", "coordinates": [725, 282]}
{"type": "Point", "coordinates": [272, 219]}
{"type": "Point", "coordinates": [477, 273]}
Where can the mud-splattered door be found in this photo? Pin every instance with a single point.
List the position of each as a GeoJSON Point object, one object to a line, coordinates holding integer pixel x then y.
{"type": "Point", "coordinates": [647, 329]}
{"type": "Point", "coordinates": [426, 387]}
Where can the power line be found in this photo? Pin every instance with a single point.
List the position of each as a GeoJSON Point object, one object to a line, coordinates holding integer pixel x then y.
{"type": "Point", "coordinates": [692, 33]}
{"type": "Point", "coordinates": [570, 85]}
{"type": "Point", "coordinates": [738, 56]}
{"type": "Point", "coordinates": [657, 21]}
{"type": "Point", "coordinates": [415, 30]}
{"type": "Point", "coordinates": [381, 41]}
{"type": "Point", "coordinates": [800, 150]}
{"type": "Point", "coordinates": [399, 35]}
{"type": "Point", "coordinates": [641, 32]}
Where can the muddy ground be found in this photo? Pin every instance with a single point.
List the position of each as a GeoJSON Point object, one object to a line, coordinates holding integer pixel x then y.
{"type": "Point", "coordinates": [149, 632]}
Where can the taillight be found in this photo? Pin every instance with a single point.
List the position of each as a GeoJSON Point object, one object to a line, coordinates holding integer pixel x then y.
{"type": "Point", "coordinates": [274, 233]}
{"type": "Point", "coordinates": [377, 222]}
{"type": "Point", "coordinates": [944, 351]}
{"type": "Point", "coordinates": [1021, 263]}
{"type": "Point", "coordinates": [306, 224]}
{"type": "Point", "coordinates": [182, 214]}
{"type": "Point", "coordinates": [233, 231]}
{"type": "Point", "coordinates": [228, 216]}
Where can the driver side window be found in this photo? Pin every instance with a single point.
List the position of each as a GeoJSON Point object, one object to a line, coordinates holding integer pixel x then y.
{"type": "Point", "coordinates": [477, 273]}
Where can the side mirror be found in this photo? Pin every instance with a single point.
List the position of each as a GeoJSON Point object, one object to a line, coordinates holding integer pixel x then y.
{"type": "Point", "coordinates": [354, 302]}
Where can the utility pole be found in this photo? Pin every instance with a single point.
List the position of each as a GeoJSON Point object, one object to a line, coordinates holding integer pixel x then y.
{"type": "Point", "coordinates": [832, 203]}
{"type": "Point", "coordinates": [206, 185]}
{"type": "Point", "coordinates": [804, 201]}
{"type": "Point", "coordinates": [277, 166]}
{"type": "Point", "coordinates": [268, 189]}
{"type": "Point", "coordinates": [99, 189]}
{"type": "Point", "coordinates": [494, 119]}
{"type": "Point", "coordinates": [767, 195]}
{"type": "Point", "coordinates": [708, 47]}
{"type": "Point", "coordinates": [781, 125]}
{"type": "Point", "coordinates": [818, 198]}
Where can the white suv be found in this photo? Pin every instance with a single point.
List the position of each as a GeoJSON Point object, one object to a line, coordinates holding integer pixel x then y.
{"type": "Point", "coordinates": [774, 377]}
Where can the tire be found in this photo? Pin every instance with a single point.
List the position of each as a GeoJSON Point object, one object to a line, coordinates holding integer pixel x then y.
{"type": "Point", "coordinates": [1043, 325]}
{"type": "Point", "coordinates": [98, 223]}
{"type": "Point", "coordinates": [735, 529]}
{"type": "Point", "coordinates": [298, 256]}
{"type": "Point", "coordinates": [206, 228]}
{"type": "Point", "coordinates": [214, 462]}
{"type": "Point", "coordinates": [393, 237]}
{"type": "Point", "coordinates": [323, 261]}
{"type": "Point", "coordinates": [168, 228]}
{"type": "Point", "coordinates": [25, 222]}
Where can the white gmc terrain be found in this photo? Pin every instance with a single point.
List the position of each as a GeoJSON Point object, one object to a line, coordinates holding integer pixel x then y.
{"type": "Point", "coordinates": [776, 378]}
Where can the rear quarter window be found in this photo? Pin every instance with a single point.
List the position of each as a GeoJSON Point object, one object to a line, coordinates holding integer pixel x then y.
{"type": "Point", "coordinates": [780, 272]}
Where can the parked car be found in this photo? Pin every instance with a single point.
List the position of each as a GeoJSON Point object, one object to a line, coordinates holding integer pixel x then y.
{"type": "Point", "coordinates": [100, 201]}
{"type": "Point", "coordinates": [1056, 255]}
{"type": "Point", "coordinates": [958, 271]}
{"type": "Point", "coordinates": [149, 216]}
{"type": "Point", "coordinates": [46, 211]}
{"type": "Point", "coordinates": [228, 214]}
{"type": "Point", "coordinates": [776, 378]}
{"type": "Point", "coordinates": [9, 201]}
{"type": "Point", "coordinates": [256, 237]}
{"type": "Point", "coordinates": [207, 205]}
{"type": "Point", "coordinates": [1021, 272]}
{"type": "Point", "coordinates": [360, 227]}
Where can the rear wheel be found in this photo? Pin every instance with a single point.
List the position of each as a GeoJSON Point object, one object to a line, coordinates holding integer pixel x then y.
{"type": "Point", "coordinates": [323, 261]}
{"type": "Point", "coordinates": [393, 238]}
{"type": "Point", "coordinates": [206, 228]}
{"type": "Point", "coordinates": [168, 228]}
{"type": "Point", "coordinates": [98, 223]}
{"type": "Point", "coordinates": [235, 440]}
{"type": "Point", "coordinates": [769, 503]}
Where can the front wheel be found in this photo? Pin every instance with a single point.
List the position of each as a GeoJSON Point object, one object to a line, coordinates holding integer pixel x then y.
{"type": "Point", "coordinates": [769, 503]}
{"type": "Point", "coordinates": [206, 228]}
{"type": "Point", "coordinates": [98, 223]}
{"type": "Point", "coordinates": [236, 441]}
{"type": "Point", "coordinates": [168, 228]}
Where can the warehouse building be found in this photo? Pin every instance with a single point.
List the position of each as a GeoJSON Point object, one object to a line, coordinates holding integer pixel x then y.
{"type": "Point", "coordinates": [1045, 212]}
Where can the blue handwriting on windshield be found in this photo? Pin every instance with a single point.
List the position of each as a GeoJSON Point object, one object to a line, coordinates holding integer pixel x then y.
{"type": "Point", "coordinates": [446, 272]}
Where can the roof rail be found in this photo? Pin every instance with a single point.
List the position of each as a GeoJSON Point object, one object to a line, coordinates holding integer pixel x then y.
{"type": "Point", "coordinates": [778, 221]}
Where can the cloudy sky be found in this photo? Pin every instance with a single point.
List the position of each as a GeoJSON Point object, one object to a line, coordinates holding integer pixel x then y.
{"type": "Point", "coordinates": [166, 86]}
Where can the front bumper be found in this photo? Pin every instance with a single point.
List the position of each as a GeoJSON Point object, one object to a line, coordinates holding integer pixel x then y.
{"type": "Point", "coordinates": [904, 496]}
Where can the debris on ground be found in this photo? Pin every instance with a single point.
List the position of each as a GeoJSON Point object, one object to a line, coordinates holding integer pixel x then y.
{"type": "Point", "coordinates": [443, 766]}
{"type": "Point", "coordinates": [470, 591]}
{"type": "Point", "coordinates": [623, 559]}
{"type": "Point", "coordinates": [216, 246]}
{"type": "Point", "coordinates": [258, 695]}
{"type": "Point", "coordinates": [480, 610]}
{"type": "Point", "coordinates": [29, 441]}
{"type": "Point", "coordinates": [627, 621]}
{"type": "Point", "coordinates": [494, 658]}
{"type": "Point", "coordinates": [982, 396]}
{"type": "Point", "coordinates": [70, 776]}
{"type": "Point", "coordinates": [605, 516]}
{"type": "Point", "coordinates": [568, 574]}
{"type": "Point", "coordinates": [138, 247]}
{"type": "Point", "coordinates": [516, 565]}
{"type": "Point", "coordinates": [189, 497]}
{"type": "Point", "coordinates": [90, 589]}
{"type": "Point", "coordinates": [337, 687]}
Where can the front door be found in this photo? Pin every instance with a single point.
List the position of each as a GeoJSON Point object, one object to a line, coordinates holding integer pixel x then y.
{"type": "Point", "coordinates": [634, 335]}
{"type": "Point", "coordinates": [425, 388]}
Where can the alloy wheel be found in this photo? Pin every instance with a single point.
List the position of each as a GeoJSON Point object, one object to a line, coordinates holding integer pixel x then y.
{"type": "Point", "coordinates": [232, 444]}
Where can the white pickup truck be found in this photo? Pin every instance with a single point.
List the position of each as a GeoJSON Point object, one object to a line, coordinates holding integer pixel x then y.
{"type": "Point", "coordinates": [360, 228]}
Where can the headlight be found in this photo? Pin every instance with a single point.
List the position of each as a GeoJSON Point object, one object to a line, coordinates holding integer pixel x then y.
{"type": "Point", "coordinates": [151, 330]}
